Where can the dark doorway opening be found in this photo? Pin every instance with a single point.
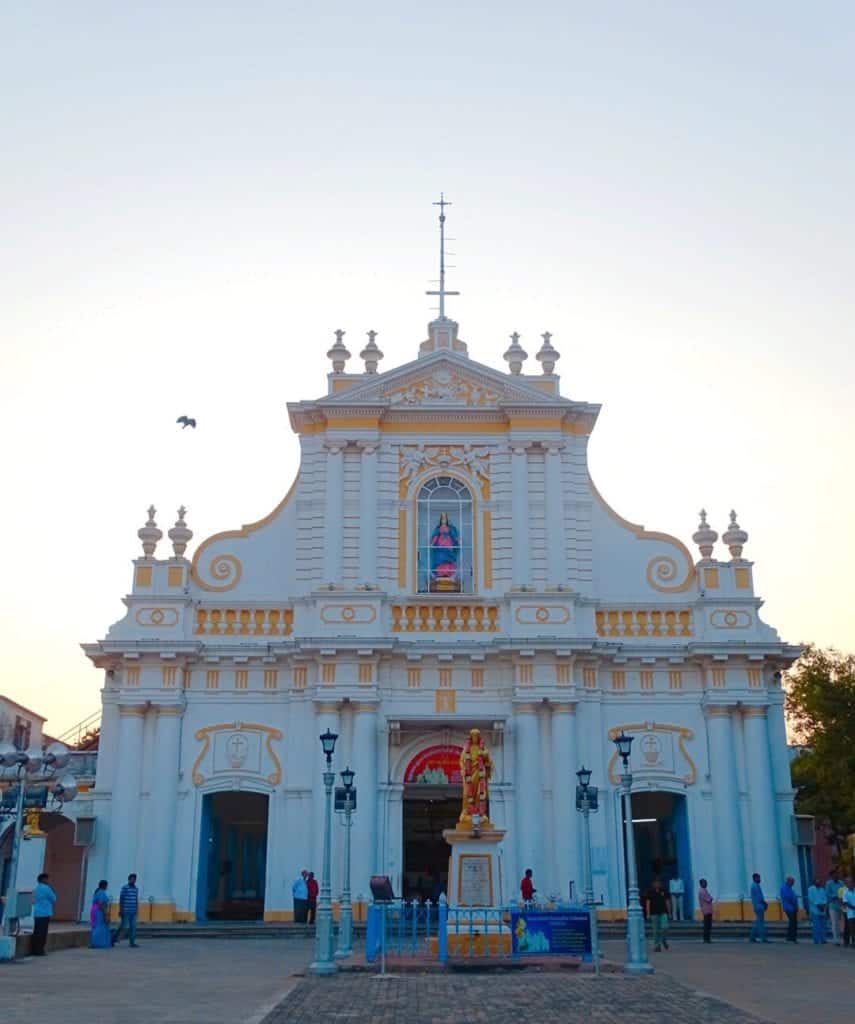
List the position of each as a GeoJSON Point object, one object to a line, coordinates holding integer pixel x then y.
{"type": "Point", "coordinates": [427, 811]}
{"type": "Point", "coordinates": [661, 831]}
{"type": "Point", "coordinates": [233, 857]}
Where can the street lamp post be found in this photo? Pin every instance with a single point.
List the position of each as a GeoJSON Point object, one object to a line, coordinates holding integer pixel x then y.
{"type": "Point", "coordinates": [583, 803]}
{"type": "Point", "coordinates": [636, 944]}
{"type": "Point", "coordinates": [345, 921]}
{"type": "Point", "coordinates": [54, 758]}
{"type": "Point", "coordinates": [324, 962]}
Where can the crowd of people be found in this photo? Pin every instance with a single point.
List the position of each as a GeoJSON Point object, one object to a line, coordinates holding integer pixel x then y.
{"type": "Point", "coordinates": [830, 907]}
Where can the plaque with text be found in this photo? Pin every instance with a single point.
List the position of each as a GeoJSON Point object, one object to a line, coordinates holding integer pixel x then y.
{"type": "Point", "coordinates": [476, 880]}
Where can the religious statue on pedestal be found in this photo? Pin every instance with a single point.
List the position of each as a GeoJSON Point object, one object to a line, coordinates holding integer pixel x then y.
{"type": "Point", "coordinates": [476, 767]}
{"type": "Point", "coordinates": [444, 556]}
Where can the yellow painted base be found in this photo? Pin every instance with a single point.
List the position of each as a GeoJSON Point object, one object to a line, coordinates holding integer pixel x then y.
{"type": "Point", "coordinates": [474, 945]}
{"type": "Point", "coordinates": [183, 916]}
{"type": "Point", "coordinates": [279, 915]}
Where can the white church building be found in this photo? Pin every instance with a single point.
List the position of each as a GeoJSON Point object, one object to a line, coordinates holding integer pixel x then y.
{"type": "Point", "coordinates": [443, 560]}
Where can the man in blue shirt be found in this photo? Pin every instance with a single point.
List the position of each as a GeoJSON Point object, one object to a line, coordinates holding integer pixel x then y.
{"type": "Point", "coordinates": [300, 892]}
{"type": "Point", "coordinates": [129, 905]}
{"type": "Point", "coordinates": [790, 906]}
{"type": "Point", "coordinates": [817, 905]}
{"type": "Point", "coordinates": [43, 900]}
{"type": "Point", "coordinates": [759, 904]}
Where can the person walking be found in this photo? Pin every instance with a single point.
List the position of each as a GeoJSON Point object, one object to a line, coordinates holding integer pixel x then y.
{"type": "Point", "coordinates": [848, 902]}
{"type": "Point", "coordinates": [99, 918]}
{"type": "Point", "coordinates": [760, 906]}
{"type": "Point", "coordinates": [129, 905]}
{"type": "Point", "coordinates": [300, 893]}
{"type": "Point", "coordinates": [790, 906]}
{"type": "Point", "coordinates": [312, 898]}
{"type": "Point", "coordinates": [705, 902]}
{"type": "Point", "coordinates": [527, 889]}
{"type": "Point", "coordinates": [676, 890]}
{"type": "Point", "coordinates": [657, 911]}
{"type": "Point", "coordinates": [44, 899]}
{"type": "Point", "coordinates": [817, 905]}
{"type": "Point", "coordinates": [835, 906]}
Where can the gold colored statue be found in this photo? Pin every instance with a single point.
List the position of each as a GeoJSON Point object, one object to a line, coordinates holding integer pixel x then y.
{"type": "Point", "coordinates": [32, 826]}
{"type": "Point", "coordinates": [476, 767]}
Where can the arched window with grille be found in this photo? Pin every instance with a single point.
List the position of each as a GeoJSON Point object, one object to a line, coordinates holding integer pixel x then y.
{"type": "Point", "coordinates": [444, 546]}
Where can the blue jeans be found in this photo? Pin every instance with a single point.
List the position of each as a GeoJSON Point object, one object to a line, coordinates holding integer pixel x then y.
{"type": "Point", "coordinates": [129, 925]}
{"type": "Point", "coordinates": [758, 929]}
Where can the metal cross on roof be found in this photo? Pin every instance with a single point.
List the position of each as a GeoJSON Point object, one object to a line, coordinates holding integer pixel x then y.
{"type": "Point", "coordinates": [443, 202]}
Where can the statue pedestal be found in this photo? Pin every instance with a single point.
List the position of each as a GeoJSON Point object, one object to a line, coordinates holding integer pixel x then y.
{"type": "Point", "coordinates": [475, 873]}
{"type": "Point", "coordinates": [475, 881]}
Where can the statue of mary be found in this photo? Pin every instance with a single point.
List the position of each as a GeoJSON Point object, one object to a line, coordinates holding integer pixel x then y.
{"type": "Point", "coordinates": [445, 552]}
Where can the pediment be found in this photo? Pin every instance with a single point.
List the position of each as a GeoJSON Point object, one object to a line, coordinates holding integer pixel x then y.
{"type": "Point", "coordinates": [443, 380]}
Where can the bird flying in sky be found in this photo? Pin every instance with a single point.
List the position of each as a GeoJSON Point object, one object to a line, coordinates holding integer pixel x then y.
{"type": "Point", "coordinates": [186, 421]}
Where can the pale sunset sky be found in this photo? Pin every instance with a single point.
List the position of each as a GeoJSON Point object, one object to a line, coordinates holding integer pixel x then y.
{"type": "Point", "coordinates": [195, 195]}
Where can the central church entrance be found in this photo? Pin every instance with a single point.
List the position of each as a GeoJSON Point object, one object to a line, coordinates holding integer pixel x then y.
{"type": "Point", "coordinates": [232, 857]}
{"type": "Point", "coordinates": [431, 804]}
{"type": "Point", "coordinates": [661, 831]}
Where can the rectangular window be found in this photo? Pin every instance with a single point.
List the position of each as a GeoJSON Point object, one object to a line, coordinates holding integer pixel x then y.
{"type": "Point", "coordinates": [212, 679]}
{"type": "Point", "coordinates": [241, 679]}
{"type": "Point", "coordinates": [299, 675]}
{"type": "Point", "coordinates": [477, 678]}
{"type": "Point", "coordinates": [414, 678]}
{"type": "Point", "coordinates": [271, 678]}
{"type": "Point", "coordinates": [646, 679]}
{"type": "Point", "coordinates": [675, 679]}
{"type": "Point", "coordinates": [619, 679]}
{"type": "Point", "coordinates": [23, 730]}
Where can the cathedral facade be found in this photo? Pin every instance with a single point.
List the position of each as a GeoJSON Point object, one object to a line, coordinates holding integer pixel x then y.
{"type": "Point", "coordinates": [443, 561]}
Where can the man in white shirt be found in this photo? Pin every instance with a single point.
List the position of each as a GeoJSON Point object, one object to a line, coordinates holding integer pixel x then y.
{"type": "Point", "coordinates": [675, 891]}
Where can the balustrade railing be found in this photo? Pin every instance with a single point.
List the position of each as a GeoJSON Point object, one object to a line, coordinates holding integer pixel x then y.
{"type": "Point", "coordinates": [249, 621]}
{"type": "Point", "coordinates": [642, 622]}
{"type": "Point", "coordinates": [445, 617]}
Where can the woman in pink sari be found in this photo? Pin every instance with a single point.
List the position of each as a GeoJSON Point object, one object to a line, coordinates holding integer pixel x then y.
{"type": "Point", "coordinates": [99, 918]}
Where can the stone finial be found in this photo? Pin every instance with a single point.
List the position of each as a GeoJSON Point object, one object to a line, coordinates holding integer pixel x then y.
{"type": "Point", "coordinates": [180, 534]}
{"type": "Point", "coordinates": [371, 354]}
{"type": "Point", "coordinates": [338, 353]}
{"type": "Point", "coordinates": [547, 356]}
{"type": "Point", "coordinates": [705, 536]}
{"type": "Point", "coordinates": [149, 534]}
{"type": "Point", "coordinates": [515, 355]}
{"type": "Point", "coordinates": [735, 537]}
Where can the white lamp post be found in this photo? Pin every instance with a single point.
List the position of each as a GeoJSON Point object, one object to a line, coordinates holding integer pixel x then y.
{"type": "Point", "coordinates": [54, 758]}
{"type": "Point", "coordinates": [636, 962]}
{"type": "Point", "coordinates": [583, 804]}
{"type": "Point", "coordinates": [345, 921]}
{"type": "Point", "coordinates": [324, 962]}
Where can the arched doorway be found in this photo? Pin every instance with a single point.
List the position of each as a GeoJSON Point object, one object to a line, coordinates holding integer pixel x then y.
{"type": "Point", "coordinates": [232, 856]}
{"type": "Point", "coordinates": [660, 825]}
{"type": "Point", "coordinates": [431, 804]}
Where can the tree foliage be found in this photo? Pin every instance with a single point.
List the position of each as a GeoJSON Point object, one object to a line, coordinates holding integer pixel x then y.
{"type": "Point", "coordinates": [821, 708]}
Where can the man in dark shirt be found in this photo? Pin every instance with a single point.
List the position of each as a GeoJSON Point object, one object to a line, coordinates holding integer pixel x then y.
{"type": "Point", "coordinates": [658, 906]}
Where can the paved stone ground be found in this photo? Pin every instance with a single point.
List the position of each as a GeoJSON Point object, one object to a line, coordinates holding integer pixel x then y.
{"type": "Point", "coordinates": [784, 983]}
{"type": "Point", "coordinates": [170, 981]}
{"type": "Point", "coordinates": [501, 999]}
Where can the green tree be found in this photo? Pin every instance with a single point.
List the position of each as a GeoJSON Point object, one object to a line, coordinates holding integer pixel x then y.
{"type": "Point", "coordinates": [821, 708]}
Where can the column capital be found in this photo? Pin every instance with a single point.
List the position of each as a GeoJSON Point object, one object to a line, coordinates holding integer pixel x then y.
{"type": "Point", "coordinates": [717, 710]}
{"type": "Point", "coordinates": [166, 710]}
{"type": "Point", "coordinates": [132, 710]}
{"type": "Point", "coordinates": [519, 447]}
{"type": "Point", "coordinates": [756, 711]}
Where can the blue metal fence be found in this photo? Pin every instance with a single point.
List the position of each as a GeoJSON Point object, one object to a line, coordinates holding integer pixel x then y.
{"type": "Point", "coordinates": [411, 928]}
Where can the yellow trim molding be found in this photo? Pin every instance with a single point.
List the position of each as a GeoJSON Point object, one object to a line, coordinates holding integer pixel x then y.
{"type": "Point", "coordinates": [244, 531]}
{"type": "Point", "coordinates": [661, 569]}
{"type": "Point", "coordinates": [204, 735]}
{"type": "Point", "coordinates": [682, 732]}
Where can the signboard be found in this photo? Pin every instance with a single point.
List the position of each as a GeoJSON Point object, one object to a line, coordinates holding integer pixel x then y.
{"type": "Point", "coordinates": [435, 766]}
{"type": "Point", "coordinates": [551, 933]}
{"type": "Point", "coordinates": [593, 798]}
{"type": "Point", "coordinates": [340, 799]}
{"type": "Point", "coordinates": [475, 882]}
